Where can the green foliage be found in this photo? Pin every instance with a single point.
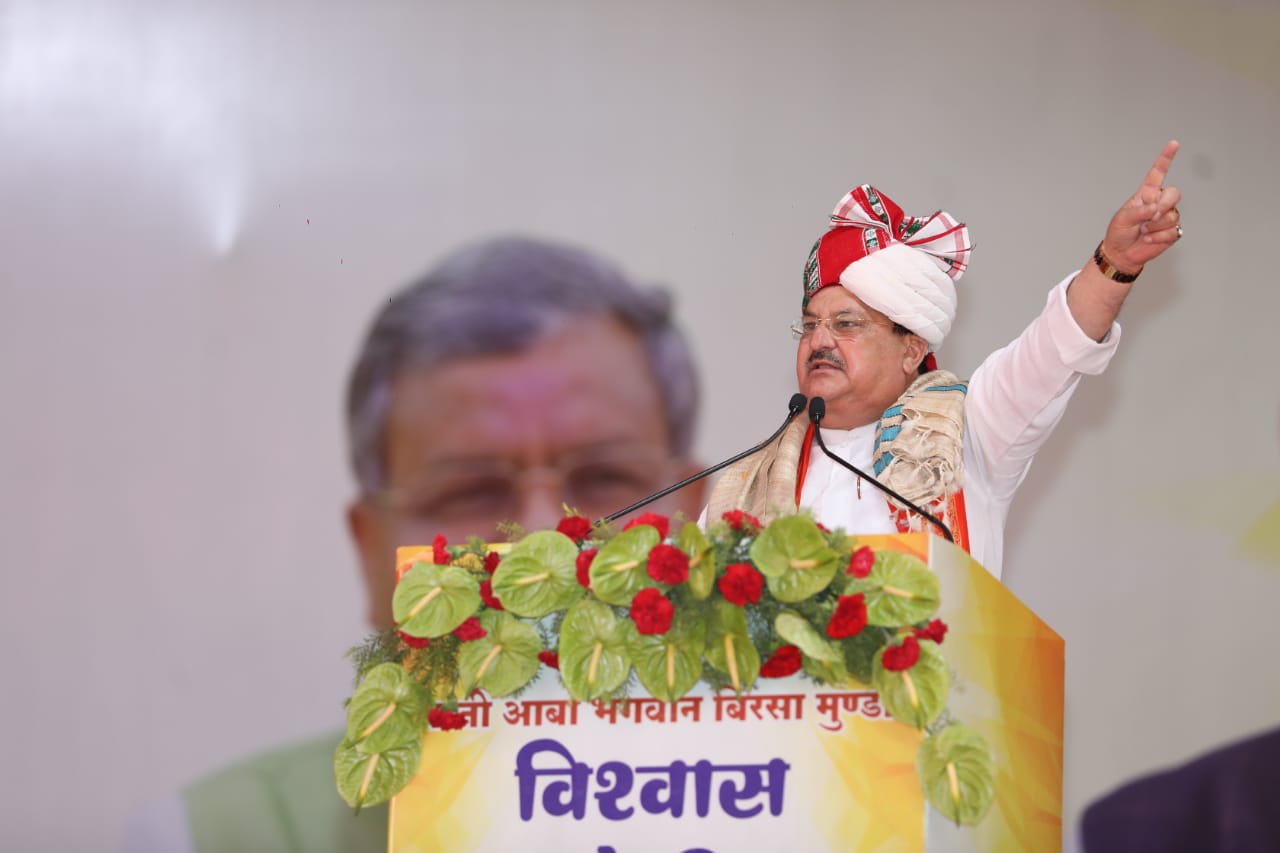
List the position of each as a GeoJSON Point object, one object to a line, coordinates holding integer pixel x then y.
{"type": "Point", "coordinates": [901, 590]}
{"type": "Point", "coordinates": [958, 773]}
{"type": "Point", "coordinates": [702, 560]}
{"type": "Point", "coordinates": [798, 631]}
{"type": "Point", "coordinates": [593, 651]}
{"type": "Point", "coordinates": [669, 664]}
{"type": "Point", "coordinates": [368, 778]}
{"type": "Point", "coordinates": [860, 651]}
{"type": "Point", "coordinates": [602, 655]}
{"type": "Point", "coordinates": [432, 600]}
{"type": "Point", "coordinates": [916, 695]}
{"type": "Point", "coordinates": [825, 672]}
{"type": "Point", "coordinates": [502, 661]}
{"type": "Point", "coordinates": [793, 556]}
{"type": "Point", "coordinates": [389, 708]}
{"type": "Point", "coordinates": [539, 575]}
{"type": "Point", "coordinates": [729, 646]}
{"type": "Point", "coordinates": [620, 570]}
{"type": "Point", "coordinates": [382, 647]}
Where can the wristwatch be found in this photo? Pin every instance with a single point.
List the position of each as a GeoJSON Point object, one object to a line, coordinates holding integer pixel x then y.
{"type": "Point", "coordinates": [1109, 270]}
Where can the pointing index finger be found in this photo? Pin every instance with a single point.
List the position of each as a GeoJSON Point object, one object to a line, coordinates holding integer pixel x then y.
{"type": "Point", "coordinates": [1155, 177]}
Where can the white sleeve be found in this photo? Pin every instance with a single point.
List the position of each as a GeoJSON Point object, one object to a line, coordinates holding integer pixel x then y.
{"type": "Point", "coordinates": [1020, 392]}
{"type": "Point", "coordinates": [159, 826]}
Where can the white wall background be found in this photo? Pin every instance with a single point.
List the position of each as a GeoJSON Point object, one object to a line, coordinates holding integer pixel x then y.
{"type": "Point", "coordinates": [201, 206]}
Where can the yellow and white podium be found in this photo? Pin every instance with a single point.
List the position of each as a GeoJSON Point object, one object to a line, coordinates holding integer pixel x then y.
{"type": "Point", "coordinates": [792, 765]}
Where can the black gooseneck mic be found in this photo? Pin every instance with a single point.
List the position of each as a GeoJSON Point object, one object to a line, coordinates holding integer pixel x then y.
{"type": "Point", "coordinates": [794, 407]}
{"type": "Point", "coordinates": [817, 411]}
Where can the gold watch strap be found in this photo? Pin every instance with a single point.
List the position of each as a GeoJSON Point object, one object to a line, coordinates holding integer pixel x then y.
{"type": "Point", "coordinates": [1109, 270]}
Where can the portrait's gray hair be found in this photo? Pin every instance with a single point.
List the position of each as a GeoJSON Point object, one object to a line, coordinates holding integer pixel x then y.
{"type": "Point", "coordinates": [499, 296]}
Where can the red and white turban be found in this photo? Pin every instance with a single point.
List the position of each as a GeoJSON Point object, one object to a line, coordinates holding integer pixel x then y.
{"type": "Point", "coordinates": [902, 266]}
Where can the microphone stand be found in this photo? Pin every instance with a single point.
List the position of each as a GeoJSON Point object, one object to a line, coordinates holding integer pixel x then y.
{"type": "Point", "coordinates": [817, 411]}
{"type": "Point", "coordinates": [794, 407]}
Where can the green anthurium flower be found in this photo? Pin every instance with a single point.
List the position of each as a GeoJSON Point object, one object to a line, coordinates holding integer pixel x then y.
{"type": "Point", "coordinates": [502, 661]}
{"type": "Point", "coordinates": [794, 557]}
{"type": "Point", "coordinates": [388, 709]}
{"type": "Point", "coordinates": [729, 646]}
{"type": "Point", "coordinates": [669, 664]}
{"type": "Point", "coordinates": [958, 773]}
{"type": "Point", "coordinates": [369, 778]}
{"type": "Point", "coordinates": [918, 694]}
{"type": "Point", "coordinates": [702, 561]}
{"type": "Point", "coordinates": [431, 600]}
{"type": "Point", "coordinates": [901, 590]}
{"type": "Point", "coordinates": [593, 650]}
{"type": "Point", "coordinates": [539, 575]}
{"type": "Point", "coordinates": [620, 569]}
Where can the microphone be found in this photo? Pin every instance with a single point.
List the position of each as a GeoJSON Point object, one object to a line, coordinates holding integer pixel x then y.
{"type": "Point", "coordinates": [794, 407]}
{"type": "Point", "coordinates": [817, 411]}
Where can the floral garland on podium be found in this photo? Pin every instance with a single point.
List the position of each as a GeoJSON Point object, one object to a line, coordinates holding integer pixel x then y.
{"type": "Point", "coordinates": [726, 606]}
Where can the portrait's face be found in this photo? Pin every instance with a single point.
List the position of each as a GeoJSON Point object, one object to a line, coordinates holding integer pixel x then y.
{"type": "Point", "coordinates": [577, 420]}
{"type": "Point", "coordinates": [861, 374]}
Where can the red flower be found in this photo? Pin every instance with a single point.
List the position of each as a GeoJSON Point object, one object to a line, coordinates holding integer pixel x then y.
{"type": "Point", "coordinates": [487, 596]}
{"type": "Point", "coordinates": [668, 564]}
{"type": "Point", "coordinates": [470, 630]}
{"type": "Point", "coordinates": [861, 562]}
{"type": "Point", "coordinates": [491, 561]}
{"type": "Point", "coordinates": [738, 519]}
{"type": "Point", "coordinates": [741, 583]}
{"type": "Point", "coordinates": [651, 518]}
{"type": "Point", "coordinates": [850, 617]}
{"type": "Point", "coordinates": [413, 642]}
{"type": "Point", "coordinates": [444, 720]}
{"type": "Point", "coordinates": [550, 658]}
{"type": "Point", "coordinates": [584, 566]}
{"type": "Point", "coordinates": [575, 527]}
{"type": "Point", "coordinates": [898, 658]}
{"type": "Point", "coordinates": [783, 662]}
{"type": "Point", "coordinates": [438, 552]}
{"type": "Point", "coordinates": [652, 611]}
{"type": "Point", "coordinates": [935, 630]}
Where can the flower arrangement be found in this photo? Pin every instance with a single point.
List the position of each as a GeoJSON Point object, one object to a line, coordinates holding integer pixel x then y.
{"type": "Point", "coordinates": [727, 606]}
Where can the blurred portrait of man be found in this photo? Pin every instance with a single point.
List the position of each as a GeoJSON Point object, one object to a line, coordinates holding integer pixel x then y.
{"type": "Point", "coordinates": [515, 378]}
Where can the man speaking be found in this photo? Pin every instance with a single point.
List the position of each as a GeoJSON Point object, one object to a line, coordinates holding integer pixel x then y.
{"type": "Point", "coordinates": [879, 298]}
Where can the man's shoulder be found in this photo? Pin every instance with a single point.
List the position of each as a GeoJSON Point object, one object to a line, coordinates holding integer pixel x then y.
{"type": "Point", "coordinates": [300, 759]}
{"type": "Point", "coordinates": [1221, 800]}
{"type": "Point", "coordinates": [282, 799]}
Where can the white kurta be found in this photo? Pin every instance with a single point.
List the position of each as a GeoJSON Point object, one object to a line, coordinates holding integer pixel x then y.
{"type": "Point", "coordinates": [1016, 397]}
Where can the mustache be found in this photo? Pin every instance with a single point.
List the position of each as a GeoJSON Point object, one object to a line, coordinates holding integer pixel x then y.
{"type": "Point", "coordinates": [830, 356]}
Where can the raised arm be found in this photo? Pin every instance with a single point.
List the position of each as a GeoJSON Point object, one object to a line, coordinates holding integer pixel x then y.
{"type": "Point", "coordinates": [1142, 229]}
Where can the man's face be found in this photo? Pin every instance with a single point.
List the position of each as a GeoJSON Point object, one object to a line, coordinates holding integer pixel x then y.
{"type": "Point", "coordinates": [859, 377]}
{"type": "Point", "coordinates": [475, 442]}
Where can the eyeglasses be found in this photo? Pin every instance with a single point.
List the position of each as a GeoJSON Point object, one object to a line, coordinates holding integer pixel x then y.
{"type": "Point", "coordinates": [479, 493]}
{"type": "Point", "coordinates": [844, 326]}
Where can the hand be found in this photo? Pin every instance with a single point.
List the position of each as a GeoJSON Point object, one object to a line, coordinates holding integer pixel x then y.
{"type": "Point", "coordinates": [1147, 223]}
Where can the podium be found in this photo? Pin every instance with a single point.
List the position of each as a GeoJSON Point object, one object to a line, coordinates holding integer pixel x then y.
{"type": "Point", "coordinates": [791, 764]}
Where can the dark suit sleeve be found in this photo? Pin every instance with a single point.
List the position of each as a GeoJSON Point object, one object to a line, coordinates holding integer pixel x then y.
{"type": "Point", "coordinates": [1227, 800]}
